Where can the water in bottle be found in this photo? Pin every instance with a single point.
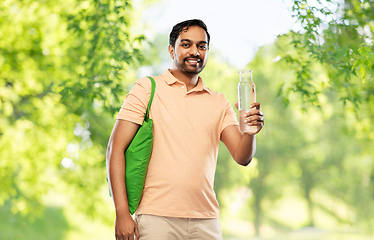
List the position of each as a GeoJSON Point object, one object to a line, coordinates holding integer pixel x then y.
{"type": "Point", "coordinates": [246, 96]}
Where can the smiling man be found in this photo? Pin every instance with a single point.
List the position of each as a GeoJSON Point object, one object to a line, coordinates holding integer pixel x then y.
{"type": "Point", "coordinates": [189, 51]}
{"type": "Point", "coordinates": [189, 120]}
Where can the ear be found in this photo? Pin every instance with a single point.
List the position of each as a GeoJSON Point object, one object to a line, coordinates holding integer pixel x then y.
{"type": "Point", "coordinates": [171, 51]}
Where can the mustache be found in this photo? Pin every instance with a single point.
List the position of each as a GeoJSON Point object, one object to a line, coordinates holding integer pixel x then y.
{"type": "Point", "coordinates": [192, 56]}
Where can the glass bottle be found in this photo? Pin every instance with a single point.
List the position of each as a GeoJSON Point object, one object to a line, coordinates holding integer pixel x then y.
{"type": "Point", "coordinates": [246, 96]}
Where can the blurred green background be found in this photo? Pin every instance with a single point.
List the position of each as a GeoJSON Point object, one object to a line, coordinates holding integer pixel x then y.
{"type": "Point", "coordinates": [66, 66]}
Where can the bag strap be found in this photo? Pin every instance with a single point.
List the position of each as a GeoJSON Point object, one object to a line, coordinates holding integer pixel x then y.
{"type": "Point", "coordinates": [151, 98]}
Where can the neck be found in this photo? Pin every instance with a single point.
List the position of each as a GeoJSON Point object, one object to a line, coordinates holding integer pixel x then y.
{"type": "Point", "coordinates": [189, 79]}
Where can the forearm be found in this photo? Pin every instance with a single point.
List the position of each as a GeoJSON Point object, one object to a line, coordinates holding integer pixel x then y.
{"type": "Point", "coordinates": [242, 146]}
{"type": "Point", "coordinates": [116, 178]}
{"type": "Point", "coordinates": [246, 149]}
{"type": "Point", "coordinates": [125, 227]}
{"type": "Point", "coordinates": [122, 134]}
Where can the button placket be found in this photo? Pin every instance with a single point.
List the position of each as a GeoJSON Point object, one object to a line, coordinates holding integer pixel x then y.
{"type": "Point", "coordinates": [185, 90]}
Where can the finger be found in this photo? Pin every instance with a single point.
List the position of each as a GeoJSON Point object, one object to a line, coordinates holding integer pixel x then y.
{"type": "Point", "coordinates": [255, 105]}
{"type": "Point", "coordinates": [251, 119]}
{"type": "Point", "coordinates": [254, 112]}
{"type": "Point", "coordinates": [119, 237]}
{"type": "Point", "coordinates": [136, 233]}
{"type": "Point", "coordinates": [254, 119]}
{"type": "Point", "coordinates": [256, 123]}
{"type": "Point", "coordinates": [237, 105]}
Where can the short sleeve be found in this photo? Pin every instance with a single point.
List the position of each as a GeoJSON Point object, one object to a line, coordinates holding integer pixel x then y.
{"type": "Point", "coordinates": [135, 104]}
{"type": "Point", "coordinates": [229, 117]}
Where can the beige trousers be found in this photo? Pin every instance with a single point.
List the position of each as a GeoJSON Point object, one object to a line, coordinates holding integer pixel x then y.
{"type": "Point", "coordinates": [168, 228]}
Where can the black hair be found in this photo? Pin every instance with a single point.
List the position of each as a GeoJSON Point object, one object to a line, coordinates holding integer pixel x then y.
{"type": "Point", "coordinates": [178, 28]}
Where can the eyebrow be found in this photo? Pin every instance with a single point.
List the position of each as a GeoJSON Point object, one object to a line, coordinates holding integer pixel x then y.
{"type": "Point", "coordinates": [188, 40]}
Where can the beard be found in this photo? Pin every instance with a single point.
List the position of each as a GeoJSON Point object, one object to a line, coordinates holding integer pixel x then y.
{"type": "Point", "coordinates": [190, 70]}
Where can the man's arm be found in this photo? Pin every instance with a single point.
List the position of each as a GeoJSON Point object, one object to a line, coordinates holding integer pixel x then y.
{"type": "Point", "coordinates": [121, 137]}
{"type": "Point", "coordinates": [242, 146]}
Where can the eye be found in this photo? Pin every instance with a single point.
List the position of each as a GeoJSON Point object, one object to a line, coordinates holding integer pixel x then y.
{"type": "Point", "coordinates": [185, 45]}
{"type": "Point", "coordinates": [202, 47]}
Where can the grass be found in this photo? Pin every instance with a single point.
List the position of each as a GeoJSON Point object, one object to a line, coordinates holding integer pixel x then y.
{"type": "Point", "coordinates": [55, 223]}
{"type": "Point", "coordinates": [245, 231]}
{"type": "Point", "coordinates": [51, 225]}
{"type": "Point", "coordinates": [59, 222]}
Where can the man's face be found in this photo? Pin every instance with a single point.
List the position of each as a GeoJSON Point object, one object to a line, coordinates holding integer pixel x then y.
{"type": "Point", "coordinates": [190, 53]}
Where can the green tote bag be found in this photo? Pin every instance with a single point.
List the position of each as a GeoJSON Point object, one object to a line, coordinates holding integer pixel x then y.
{"type": "Point", "coordinates": [137, 158]}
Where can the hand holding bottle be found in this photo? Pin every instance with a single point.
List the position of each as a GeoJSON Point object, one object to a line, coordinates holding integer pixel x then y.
{"type": "Point", "coordinates": [251, 119]}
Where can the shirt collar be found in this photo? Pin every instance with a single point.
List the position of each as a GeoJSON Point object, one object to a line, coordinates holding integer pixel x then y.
{"type": "Point", "coordinates": [170, 79]}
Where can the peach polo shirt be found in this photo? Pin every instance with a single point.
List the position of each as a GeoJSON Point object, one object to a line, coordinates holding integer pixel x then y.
{"type": "Point", "coordinates": [187, 129]}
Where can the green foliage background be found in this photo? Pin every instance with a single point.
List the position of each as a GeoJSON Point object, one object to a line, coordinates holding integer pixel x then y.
{"type": "Point", "coordinates": [64, 72]}
{"type": "Point", "coordinates": [65, 67]}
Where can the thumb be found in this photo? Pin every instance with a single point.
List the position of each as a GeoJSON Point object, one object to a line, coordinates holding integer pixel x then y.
{"type": "Point", "coordinates": [236, 105]}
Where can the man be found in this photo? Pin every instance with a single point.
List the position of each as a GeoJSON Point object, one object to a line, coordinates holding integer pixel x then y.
{"type": "Point", "coordinates": [190, 120]}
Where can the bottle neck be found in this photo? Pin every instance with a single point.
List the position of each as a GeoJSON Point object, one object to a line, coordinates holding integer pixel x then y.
{"type": "Point", "coordinates": [246, 77]}
{"type": "Point", "coordinates": [245, 80]}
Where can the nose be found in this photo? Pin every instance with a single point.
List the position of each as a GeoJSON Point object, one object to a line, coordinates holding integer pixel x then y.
{"type": "Point", "coordinates": [194, 51]}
